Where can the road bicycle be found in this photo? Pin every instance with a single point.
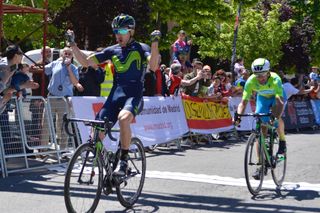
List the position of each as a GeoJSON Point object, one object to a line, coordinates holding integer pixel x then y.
{"type": "Point", "coordinates": [261, 154]}
{"type": "Point", "coordinates": [91, 170]}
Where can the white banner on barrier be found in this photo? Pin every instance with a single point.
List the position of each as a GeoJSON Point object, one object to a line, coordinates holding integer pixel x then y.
{"type": "Point", "coordinates": [161, 120]}
{"type": "Point", "coordinates": [247, 123]}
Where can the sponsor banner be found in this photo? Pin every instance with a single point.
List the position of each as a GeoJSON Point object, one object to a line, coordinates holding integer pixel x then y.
{"type": "Point", "coordinates": [206, 116]}
{"type": "Point", "coordinates": [298, 114]}
{"type": "Point", "coordinates": [247, 123]}
{"type": "Point", "coordinates": [161, 120]}
{"type": "Point", "coordinates": [316, 110]}
{"type": "Point", "coordinates": [86, 107]}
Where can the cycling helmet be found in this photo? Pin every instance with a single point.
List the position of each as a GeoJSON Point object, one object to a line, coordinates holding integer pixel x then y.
{"type": "Point", "coordinates": [260, 65]}
{"type": "Point", "coordinates": [123, 21]}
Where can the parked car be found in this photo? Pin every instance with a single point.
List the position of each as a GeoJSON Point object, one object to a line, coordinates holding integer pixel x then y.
{"type": "Point", "coordinates": [35, 55]}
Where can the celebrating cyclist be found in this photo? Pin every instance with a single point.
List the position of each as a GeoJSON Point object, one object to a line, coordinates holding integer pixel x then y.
{"type": "Point", "coordinates": [130, 59]}
{"type": "Point", "coordinates": [269, 90]}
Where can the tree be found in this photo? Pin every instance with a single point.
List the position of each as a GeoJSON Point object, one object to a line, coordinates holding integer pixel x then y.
{"type": "Point", "coordinates": [262, 35]}
{"type": "Point", "coordinates": [17, 26]}
{"type": "Point", "coordinates": [92, 25]}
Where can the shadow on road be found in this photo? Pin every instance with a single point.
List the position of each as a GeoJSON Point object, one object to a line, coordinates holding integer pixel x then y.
{"type": "Point", "coordinates": [51, 184]}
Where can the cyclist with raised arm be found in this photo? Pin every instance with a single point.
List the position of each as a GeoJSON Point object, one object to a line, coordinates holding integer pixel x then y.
{"type": "Point", "coordinates": [130, 59]}
{"type": "Point", "coordinates": [268, 87]}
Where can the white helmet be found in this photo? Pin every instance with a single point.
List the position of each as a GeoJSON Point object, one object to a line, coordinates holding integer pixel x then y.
{"type": "Point", "coordinates": [260, 65]}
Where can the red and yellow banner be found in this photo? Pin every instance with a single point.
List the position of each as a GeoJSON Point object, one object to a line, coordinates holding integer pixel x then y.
{"type": "Point", "coordinates": [206, 114]}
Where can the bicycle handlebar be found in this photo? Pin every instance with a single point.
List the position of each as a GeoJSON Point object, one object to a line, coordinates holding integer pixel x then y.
{"type": "Point", "coordinates": [94, 123]}
{"type": "Point", "coordinates": [255, 114]}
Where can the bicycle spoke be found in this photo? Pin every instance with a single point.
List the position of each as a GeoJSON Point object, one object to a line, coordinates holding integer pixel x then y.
{"type": "Point", "coordinates": [130, 187]}
{"type": "Point", "coordinates": [83, 181]}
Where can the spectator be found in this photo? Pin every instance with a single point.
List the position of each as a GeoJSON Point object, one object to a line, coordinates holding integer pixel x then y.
{"type": "Point", "coordinates": [64, 76]}
{"type": "Point", "coordinates": [315, 90]}
{"type": "Point", "coordinates": [186, 67]}
{"type": "Point", "coordinates": [224, 83]}
{"type": "Point", "coordinates": [39, 125]}
{"type": "Point", "coordinates": [228, 81]}
{"type": "Point", "coordinates": [20, 79]}
{"type": "Point", "coordinates": [238, 66]}
{"type": "Point", "coordinates": [214, 90]}
{"type": "Point", "coordinates": [182, 44]}
{"type": "Point", "coordinates": [150, 81]}
{"type": "Point", "coordinates": [245, 74]}
{"type": "Point", "coordinates": [207, 79]}
{"type": "Point", "coordinates": [90, 79]}
{"type": "Point", "coordinates": [194, 88]}
{"type": "Point", "coordinates": [38, 74]}
{"type": "Point", "coordinates": [162, 77]}
{"type": "Point", "coordinates": [176, 79]}
{"type": "Point", "coordinates": [314, 75]}
{"type": "Point", "coordinates": [8, 66]}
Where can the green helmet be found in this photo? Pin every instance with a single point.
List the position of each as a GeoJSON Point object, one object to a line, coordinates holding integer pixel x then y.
{"type": "Point", "coordinates": [123, 21]}
{"type": "Point", "coordinates": [260, 65]}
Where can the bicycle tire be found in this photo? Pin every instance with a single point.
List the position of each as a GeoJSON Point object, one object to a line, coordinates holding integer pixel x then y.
{"type": "Point", "coordinates": [88, 192]}
{"type": "Point", "coordinates": [278, 169]}
{"type": "Point", "coordinates": [254, 186]}
{"type": "Point", "coordinates": [128, 192]}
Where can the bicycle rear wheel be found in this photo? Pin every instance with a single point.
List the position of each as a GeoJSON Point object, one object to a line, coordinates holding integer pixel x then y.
{"type": "Point", "coordinates": [278, 169]}
{"type": "Point", "coordinates": [83, 180]}
{"type": "Point", "coordinates": [130, 187]}
{"type": "Point", "coordinates": [254, 161]}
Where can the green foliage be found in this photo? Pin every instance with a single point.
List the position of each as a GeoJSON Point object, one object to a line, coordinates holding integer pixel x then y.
{"type": "Point", "coordinates": [17, 26]}
{"type": "Point", "coordinates": [263, 35]}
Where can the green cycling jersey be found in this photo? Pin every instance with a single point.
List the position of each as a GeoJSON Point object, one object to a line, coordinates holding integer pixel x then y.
{"type": "Point", "coordinates": [273, 87]}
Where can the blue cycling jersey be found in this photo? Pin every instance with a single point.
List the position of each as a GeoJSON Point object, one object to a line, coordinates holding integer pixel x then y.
{"type": "Point", "coordinates": [127, 90]}
{"type": "Point", "coordinates": [129, 62]}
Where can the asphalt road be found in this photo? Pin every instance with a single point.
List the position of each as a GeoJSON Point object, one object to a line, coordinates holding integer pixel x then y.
{"type": "Point", "coordinates": [206, 178]}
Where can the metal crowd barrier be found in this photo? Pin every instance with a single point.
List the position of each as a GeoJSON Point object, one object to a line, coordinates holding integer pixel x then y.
{"type": "Point", "coordinates": [31, 134]}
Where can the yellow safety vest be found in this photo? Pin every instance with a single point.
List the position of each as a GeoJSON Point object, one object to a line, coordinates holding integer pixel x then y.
{"type": "Point", "coordinates": [108, 81]}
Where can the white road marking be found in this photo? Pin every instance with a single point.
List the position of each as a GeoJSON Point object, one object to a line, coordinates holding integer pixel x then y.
{"type": "Point", "coordinates": [229, 181]}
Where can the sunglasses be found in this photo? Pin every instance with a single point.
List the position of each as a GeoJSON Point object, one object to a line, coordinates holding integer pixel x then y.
{"type": "Point", "coordinates": [261, 75]}
{"type": "Point", "coordinates": [122, 31]}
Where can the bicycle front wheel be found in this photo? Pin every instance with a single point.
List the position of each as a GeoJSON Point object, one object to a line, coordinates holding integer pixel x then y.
{"type": "Point", "coordinates": [130, 187]}
{"type": "Point", "coordinates": [83, 180]}
{"type": "Point", "coordinates": [278, 169]}
{"type": "Point", "coordinates": [254, 165]}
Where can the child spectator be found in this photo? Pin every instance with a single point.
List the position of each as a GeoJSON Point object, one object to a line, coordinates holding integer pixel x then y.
{"type": "Point", "coordinates": [21, 77]}
{"type": "Point", "coordinates": [214, 90]}
{"type": "Point", "coordinates": [182, 44]}
{"type": "Point", "coordinates": [314, 75]}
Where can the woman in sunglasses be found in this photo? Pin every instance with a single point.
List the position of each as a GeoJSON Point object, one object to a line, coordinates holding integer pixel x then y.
{"type": "Point", "coordinates": [268, 87]}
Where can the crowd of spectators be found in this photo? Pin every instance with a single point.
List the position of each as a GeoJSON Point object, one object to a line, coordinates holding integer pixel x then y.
{"type": "Point", "coordinates": [182, 76]}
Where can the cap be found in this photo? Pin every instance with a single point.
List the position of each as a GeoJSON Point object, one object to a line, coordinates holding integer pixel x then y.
{"type": "Point", "coordinates": [175, 68]}
{"type": "Point", "coordinates": [11, 50]}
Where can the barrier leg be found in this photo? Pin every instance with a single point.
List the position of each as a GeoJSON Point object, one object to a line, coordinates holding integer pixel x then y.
{"type": "Point", "coordinates": [2, 158]}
